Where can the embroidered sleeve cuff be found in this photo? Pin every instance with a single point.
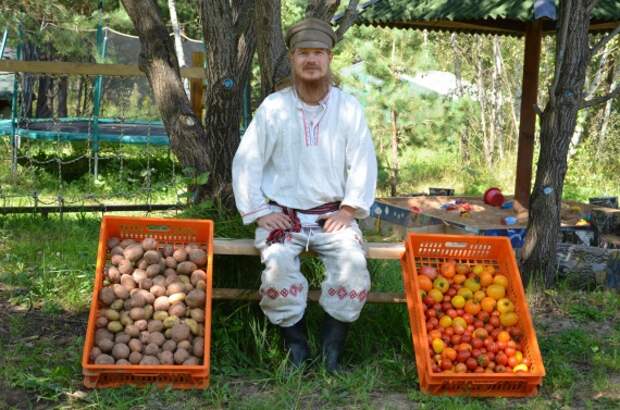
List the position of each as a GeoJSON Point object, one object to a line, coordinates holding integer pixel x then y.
{"type": "Point", "coordinates": [361, 211]}
{"type": "Point", "coordinates": [252, 216]}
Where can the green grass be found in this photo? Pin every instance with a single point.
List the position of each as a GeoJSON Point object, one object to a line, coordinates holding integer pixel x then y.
{"type": "Point", "coordinates": [46, 274]}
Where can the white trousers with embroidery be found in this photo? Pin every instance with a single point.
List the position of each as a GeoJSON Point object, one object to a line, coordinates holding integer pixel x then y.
{"type": "Point", "coordinates": [284, 290]}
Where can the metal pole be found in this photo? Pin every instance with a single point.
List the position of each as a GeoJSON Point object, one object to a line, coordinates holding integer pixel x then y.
{"type": "Point", "coordinates": [14, 113]}
{"type": "Point", "coordinates": [5, 35]}
{"type": "Point", "coordinates": [102, 41]}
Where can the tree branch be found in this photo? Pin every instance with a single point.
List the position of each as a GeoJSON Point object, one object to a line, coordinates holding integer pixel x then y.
{"type": "Point", "coordinates": [350, 15]}
{"type": "Point", "coordinates": [561, 49]}
{"type": "Point", "coordinates": [602, 42]}
{"type": "Point", "coordinates": [598, 100]}
{"type": "Point", "coordinates": [322, 9]}
{"type": "Point", "coordinates": [591, 6]}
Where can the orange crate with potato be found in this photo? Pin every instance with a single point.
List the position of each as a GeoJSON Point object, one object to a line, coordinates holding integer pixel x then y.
{"type": "Point", "coordinates": [150, 315]}
{"type": "Point", "coordinates": [471, 327]}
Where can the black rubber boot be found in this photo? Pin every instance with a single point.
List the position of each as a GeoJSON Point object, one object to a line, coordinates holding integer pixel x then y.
{"type": "Point", "coordinates": [333, 335]}
{"type": "Point", "coordinates": [295, 341]}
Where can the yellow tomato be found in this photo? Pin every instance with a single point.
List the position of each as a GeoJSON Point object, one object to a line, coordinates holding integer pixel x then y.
{"type": "Point", "coordinates": [496, 291]}
{"type": "Point", "coordinates": [501, 280]}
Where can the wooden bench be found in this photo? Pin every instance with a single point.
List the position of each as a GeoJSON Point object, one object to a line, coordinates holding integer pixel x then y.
{"type": "Point", "coordinates": [375, 250]}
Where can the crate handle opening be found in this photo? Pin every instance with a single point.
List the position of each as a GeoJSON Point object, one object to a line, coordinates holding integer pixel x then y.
{"type": "Point", "coordinates": [455, 244]}
{"type": "Point", "coordinates": [158, 228]}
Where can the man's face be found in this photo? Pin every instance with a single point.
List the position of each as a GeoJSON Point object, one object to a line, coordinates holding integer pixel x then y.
{"type": "Point", "coordinates": [311, 64]}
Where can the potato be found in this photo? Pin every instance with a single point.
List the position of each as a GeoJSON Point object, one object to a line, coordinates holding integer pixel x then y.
{"type": "Point", "coordinates": [155, 325]}
{"type": "Point", "coordinates": [123, 362]}
{"type": "Point", "coordinates": [122, 337]}
{"type": "Point", "coordinates": [102, 334]}
{"type": "Point", "coordinates": [117, 250]}
{"type": "Point", "coordinates": [171, 278]}
{"type": "Point", "coordinates": [176, 287]}
{"type": "Point", "coordinates": [136, 313]}
{"type": "Point", "coordinates": [160, 315]}
{"type": "Point", "coordinates": [133, 252]}
{"type": "Point", "coordinates": [180, 332]}
{"type": "Point", "coordinates": [180, 356]}
{"type": "Point", "coordinates": [167, 250]}
{"type": "Point", "coordinates": [146, 284]}
{"type": "Point", "coordinates": [107, 296]}
{"type": "Point", "coordinates": [191, 361]}
{"type": "Point", "coordinates": [149, 361]}
{"type": "Point", "coordinates": [142, 264]}
{"type": "Point", "coordinates": [132, 330]}
{"type": "Point", "coordinates": [125, 319]}
{"type": "Point", "coordinates": [157, 338]}
{"type": "Point", "coordinates": [105, 345]}
{"type": "Point", "coordinates": [153, 270]}
{"type": "Point", "coordinates": [128, 282]}
{"type": "Point", "coordinates": [185, 280]}
{"type": "Point", "coordinates": [170, 262]}
{"type": "Point", "coordinates": [135, 345]}
{"type": "Point", "coordinates": [195, 298]}
{"type": "Point", "coordinates": [125, 267]}
{"type": "Point", "coordinates": [117, 259]}
{"type": "Point", "coordinates": [115, 326]}
{"type": "Point", "coordinates": [201, 284]}
{"type": "Point", "coordinates": [135, 357]}
{"type": "Point", "coordinates": [152, 257]}
{"type": "Point", "coordinates": [139, 275]}
{"type": "Point", "coordinates": [102, 321]}
{"type": "Point", "coordinates": [141, 324]}
{"type": "Point", "coordinates": [198, 346]}
{"type": "Point", "coordinates": [126, 242]}
{"type": "Point", "coordinates": [148, 312]}
{"type": "Point", "coordinates": [159, 280]}
{"type": "Point", "coordinates": [198, 256]}
{"type": "Point", "coordinates": [180, 255]}
{"type": "Point", "coordinates": [150, 244]}
{"type": "Point", "coordinates": [186, 268]}
{"type": "Point", "coordinates": [120, 351]}
{"type": "Point", "coordinates": [120, 291]}
{"type": "Point", "coordinates": [104, 359]}
{"type": "Point", "coordinates": [193, 325]}
{"type": "Point", "coordinates": [197, 275]}
{"type": "Point", "coordinates": [117, 305]}
{"type": "Point", "coordinates": [170, 321]}
{"type": "Point", "coordinates": [198, 315]}
{"type": "Point", "coordinates": [161, 303]}
{"type": "Point", "coordinates": [178, 310]}
{"type": "Point", "coordinates": [151, 349]}
{"type": "Point", "coordinates": [137, 300]}
{"type": "Point", "coordinates": [94, 352]}
{"type": "Point", "coordinates": [114, 274]}
{"type": "Point", "coordinates": [169, 345]}
{"type": "Point", "coordinates": [144, 337]}
{"type": "Point", "coordinates": [166, 357]}
{"type": "Point", "coordinates": [157, 290]}
{"type": "Point", "coordinates": [176, 298]}
{"type": "Point", "coordinates": [184, 344]}
{"type": "Point", "coordinates": [111, 314]}
{"type": "Point", "coordinates": [113, 242]}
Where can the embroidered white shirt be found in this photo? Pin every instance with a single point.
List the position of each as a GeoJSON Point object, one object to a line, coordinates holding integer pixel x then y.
{"type": "Point", "coordinates": [300, 162]}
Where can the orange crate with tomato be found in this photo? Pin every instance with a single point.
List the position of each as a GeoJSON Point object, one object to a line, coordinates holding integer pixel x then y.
{"type": "Point", "coordinates": [173, 233]}
{"type": "Point", "coordinates": [471, 328]}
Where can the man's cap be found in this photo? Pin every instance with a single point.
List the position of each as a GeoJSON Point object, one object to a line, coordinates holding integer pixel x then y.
{"type": "Point", "coordinates": [310, 33]}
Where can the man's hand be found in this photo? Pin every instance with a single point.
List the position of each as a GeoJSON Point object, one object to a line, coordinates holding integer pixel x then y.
{"type": "Point", "coordinates": [339, 220]}
{"type": "Point", "coordinates": [276, 220]}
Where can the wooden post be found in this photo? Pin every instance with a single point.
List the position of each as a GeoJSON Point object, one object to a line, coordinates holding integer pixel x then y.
{"type": "Point", "coordinates": [196, 89]}
{"type": "Point", "coordinates": [527, 123]}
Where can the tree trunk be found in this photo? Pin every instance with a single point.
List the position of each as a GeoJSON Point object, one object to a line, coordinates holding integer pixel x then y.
{"type": "Point", "coordinates": [80, 90]}
{"type": "Point", "coordinates": [63, 89]}
{"type": "Point", "coordinates": [557, 127]}
{"type": "Point", "coordinates": [230, 42]}
{"type": "Point", "coordinates": [270, 47]}
{"type": "Point", "coordinates": [395, 165]}
{"type": "Point", "coordinates": [482, 100]}
{"type": "Point", "coordinates": [43, 108]}
{"type": "Point", "coordinates": [464, 143]}
{"type": "Point", "coordinates": [496, 134]}
{"type": "Point", "coordinates": [158, 61]}
{"type": "Point", "coordinates": [612, 83]}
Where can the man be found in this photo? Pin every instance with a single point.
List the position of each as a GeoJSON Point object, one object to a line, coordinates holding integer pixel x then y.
{"type": "Point", "coordinates": [304, 170]}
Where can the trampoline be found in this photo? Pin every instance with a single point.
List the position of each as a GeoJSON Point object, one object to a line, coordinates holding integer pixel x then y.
{"type": "Point", "coordinates": [82, 129]}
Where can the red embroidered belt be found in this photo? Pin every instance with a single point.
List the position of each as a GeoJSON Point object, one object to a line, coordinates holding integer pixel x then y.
{"type": "Point", "coordinates": [278, 235]}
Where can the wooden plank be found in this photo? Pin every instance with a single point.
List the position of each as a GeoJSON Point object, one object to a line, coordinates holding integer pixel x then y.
{"type": "Point", "coordinates": [313, 295]}
{"type": "Point", "coordinates": [376, 250]}
{"type": "Point", "coordinates": [527, 123]}
{"type": "Point", "coordinates": [196, 86]}
{"type": "Point", "coordinates": [69, 68]}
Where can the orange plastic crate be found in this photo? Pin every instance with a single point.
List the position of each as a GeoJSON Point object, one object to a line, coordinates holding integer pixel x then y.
{"type": "Point", "coordinates": [432, 250]}
{"type": "Point", "coordinates": [166, 231]}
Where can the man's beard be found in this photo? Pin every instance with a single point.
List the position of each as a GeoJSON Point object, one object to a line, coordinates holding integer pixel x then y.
{"type": "Point", "coordinates": [314, 88]}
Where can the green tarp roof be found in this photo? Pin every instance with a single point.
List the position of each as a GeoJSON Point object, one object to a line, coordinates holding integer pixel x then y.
{"type": "Point", "coordinates": [507, 14]}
